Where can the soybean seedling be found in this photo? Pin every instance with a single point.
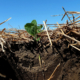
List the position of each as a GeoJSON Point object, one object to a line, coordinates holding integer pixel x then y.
{"type": "Point", "coordinates": [33, 29]}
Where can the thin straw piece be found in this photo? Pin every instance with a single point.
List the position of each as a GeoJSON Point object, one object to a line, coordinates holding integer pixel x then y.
{"type": "Point", "coordinates": [60, 29]}
{"type": "Point", "coordinates": [47, 32]}
{"type": "Point", "coordinates": [71, 38]}
{"type": "Point", "coordinates": [4, 76]}
{"type": "Point", "coordinates": [74, 22]}
{"type": "Point", "coordinates": [2, 41]}
{"type": "Point", "coordinates": [75, 47]}
{"type": "Point", "coordinates": [5, 21]}
{"type": "Point", "coordinates": [53, 72]}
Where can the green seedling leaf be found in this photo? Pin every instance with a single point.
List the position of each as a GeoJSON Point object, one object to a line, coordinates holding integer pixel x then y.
{"type": "Point", "coordinates": [39, 27]}
{"type": "Point", "coordinates": [31, 28]}
{"type": "Point", "coordinates": [38, 31]}
{"type": "Point", "coordinates": [34, 30]}
{"type": "Point", "coordinates": [38, 39]}
{"type": "Point", "coordinates": [34, 22]}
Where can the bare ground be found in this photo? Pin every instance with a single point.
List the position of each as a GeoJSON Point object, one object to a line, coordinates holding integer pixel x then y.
{"type": "Point", "coordinates": [22, 62]}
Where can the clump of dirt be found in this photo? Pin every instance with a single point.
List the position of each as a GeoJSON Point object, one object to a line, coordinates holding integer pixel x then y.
{"type": "Point", "coordinates": [70, 70]}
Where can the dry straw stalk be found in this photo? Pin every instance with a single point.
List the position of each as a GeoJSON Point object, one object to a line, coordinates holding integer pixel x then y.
{"type": "Point", "coordinates": [47, 33]}
{"type": "Point", "coordinates": [53, 72]}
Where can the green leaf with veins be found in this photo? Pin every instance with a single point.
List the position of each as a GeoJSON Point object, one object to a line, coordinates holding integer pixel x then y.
{"type": "Point", "coordinates": [34, 22]}
{"type": "Point", "coordinates": [33, 29]}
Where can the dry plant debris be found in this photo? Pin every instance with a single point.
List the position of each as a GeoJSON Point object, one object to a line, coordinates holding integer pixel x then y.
{"type": "Point", "coordinates": [53, 35]}
{"type": "Point", "coordinates": [53, 72]}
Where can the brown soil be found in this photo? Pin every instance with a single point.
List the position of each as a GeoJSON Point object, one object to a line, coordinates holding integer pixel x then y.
{"type": "Point", "coordinates": [22, 62]}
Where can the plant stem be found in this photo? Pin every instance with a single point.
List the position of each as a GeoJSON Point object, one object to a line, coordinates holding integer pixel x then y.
{"type": "Point", "coordinates": [39, 60]}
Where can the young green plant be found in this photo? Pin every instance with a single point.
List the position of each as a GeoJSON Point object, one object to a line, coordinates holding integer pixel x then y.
{"type": "Point", "coordinates": [33, 29]}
